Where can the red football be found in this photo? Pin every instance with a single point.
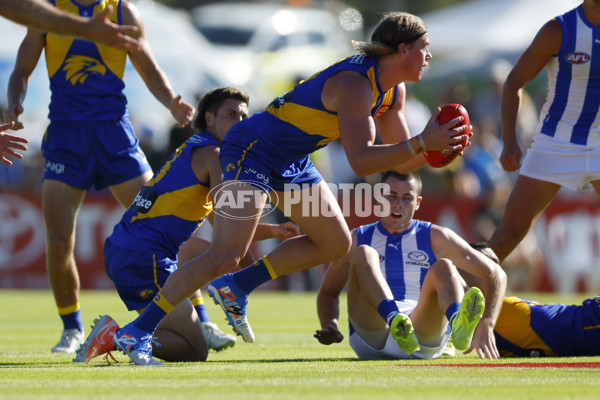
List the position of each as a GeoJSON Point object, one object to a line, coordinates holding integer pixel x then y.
{"type": "Point", "coordinates": [437, 158]}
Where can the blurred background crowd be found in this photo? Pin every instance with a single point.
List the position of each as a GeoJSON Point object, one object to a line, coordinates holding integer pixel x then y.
{"type": "Point", "coordinates": [265, 48]}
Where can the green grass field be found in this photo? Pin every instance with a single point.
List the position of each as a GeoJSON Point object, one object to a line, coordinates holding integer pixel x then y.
{"type": "Point", "coordinates": [285, 362]}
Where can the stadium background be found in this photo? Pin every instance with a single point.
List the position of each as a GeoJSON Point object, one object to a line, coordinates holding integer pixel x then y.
{"type": "Point", "coordinates": [564, 251]}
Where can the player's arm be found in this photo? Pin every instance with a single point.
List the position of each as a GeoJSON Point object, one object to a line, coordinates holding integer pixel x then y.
{"type": "Point", "coordinates": [43, 16]}
{"type": "Point", "coordinates": [350, 95]}
{"type": "Point", "coordinates": [328, 298]}
{"type": "Point", "coordinates": [153, 76]}
{"type": "Point", "coordinates": [393, 129]}
{"type": "Point", "coordinates": [28, 56]}
{"type": "Point", "coordinates": [280, 232]}
{"type": "Point", "coordinates": [9, 143]}
{"type": "Point", "coordinates": [447, 244]}
{"type": "Point", "coordinates": [545, 45]}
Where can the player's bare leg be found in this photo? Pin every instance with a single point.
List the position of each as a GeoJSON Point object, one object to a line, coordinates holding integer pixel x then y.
{"type": "Point", "coordinates": [60, 205]}
{"type": "Point", "coordinates": [529, 198]}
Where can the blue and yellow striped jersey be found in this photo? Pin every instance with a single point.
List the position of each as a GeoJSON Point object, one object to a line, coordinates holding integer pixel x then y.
{"type": "Point", "coordinates": [86, 78]}
{"type": "Point", "coordinates": [170, 207]}
{"type": "Point", "coordinates": [302, 108]}
{"type": "Point", "coordinates": [556, 329]}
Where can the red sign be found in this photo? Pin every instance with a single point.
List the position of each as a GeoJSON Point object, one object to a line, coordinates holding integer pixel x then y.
{"type": "Point", "coordinates": [568, 234]}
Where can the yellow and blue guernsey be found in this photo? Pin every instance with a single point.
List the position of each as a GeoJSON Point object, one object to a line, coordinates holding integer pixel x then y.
{"type": "Point", "coordinates": [86, 78]}
{"type": "Point", "coordinates": [141, 253]}
{"type": "Point", "coordinates": [277, 141]}
{"type": "Point", "coordinates": [169, 208]}
{"type": "Point", "coordinates": [528, 328]}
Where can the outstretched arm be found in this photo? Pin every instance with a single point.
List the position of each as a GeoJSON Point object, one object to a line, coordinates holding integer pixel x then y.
{"type": "Point", "coordinates": [328, 298]}
{"type": "Point", "coordinates": [280, 232]}
{"type": "Point", "coordinates": [153, 76]}
{"type": "Point", "coordinates": [43, 16]}
{"type": "Point", "coordinates": [10, 142]}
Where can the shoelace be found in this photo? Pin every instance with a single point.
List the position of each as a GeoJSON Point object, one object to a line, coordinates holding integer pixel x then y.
{"type": "Point", "coordinates": [146, 344]}
{"type": "Point", "coordinates": [111, 356]}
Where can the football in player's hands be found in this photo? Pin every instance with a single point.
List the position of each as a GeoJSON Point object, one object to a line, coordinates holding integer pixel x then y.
{"type": "Point", "coordinates": [442, 158]}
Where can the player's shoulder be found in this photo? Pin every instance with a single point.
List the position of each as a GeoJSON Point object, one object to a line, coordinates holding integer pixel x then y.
{"type": "Point", "coordinates": [551, 30]}
{"type": "Point", "coordinates": [442, 234]}
{"type": "Point", "coordinates": [206, 152]}
{"type": "Point", "coordinates": [130, 14]}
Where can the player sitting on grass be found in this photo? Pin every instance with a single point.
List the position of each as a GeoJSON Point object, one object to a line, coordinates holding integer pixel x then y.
{"type": "Point", "coordinates": [406, 298]}
{"type": "Point", "coordinates": [142, 251]}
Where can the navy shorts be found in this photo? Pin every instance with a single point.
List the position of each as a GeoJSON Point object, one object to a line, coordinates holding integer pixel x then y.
{"type": "Point", "coordinates": [99, 153]}
{"type": "Point", "coordinates": [245, 156]}
{"type": "Point", "coordinates": [138, 276]}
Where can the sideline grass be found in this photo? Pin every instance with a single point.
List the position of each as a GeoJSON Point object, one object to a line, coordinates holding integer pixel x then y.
{"type": "Point", "coordinates": [285, 362]}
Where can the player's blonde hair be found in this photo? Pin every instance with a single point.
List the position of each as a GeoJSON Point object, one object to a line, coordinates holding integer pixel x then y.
{"type": "Point", "coordinates": [393, 29]}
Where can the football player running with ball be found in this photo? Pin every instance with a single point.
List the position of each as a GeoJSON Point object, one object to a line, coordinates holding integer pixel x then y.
{"type": "Point", "coordinates": [268, 154]}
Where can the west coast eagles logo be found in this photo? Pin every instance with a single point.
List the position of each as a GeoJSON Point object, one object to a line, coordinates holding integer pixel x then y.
{"type": "Point", "coordinates": [78, 68]}
{"type": "Point", "coordinates": [146, 294]}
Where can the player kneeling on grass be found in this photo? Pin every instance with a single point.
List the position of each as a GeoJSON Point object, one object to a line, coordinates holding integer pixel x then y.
{"type": "Point", "coordinates": [406, 298]}
{"type": "Point", "coordinates": [143, 249]}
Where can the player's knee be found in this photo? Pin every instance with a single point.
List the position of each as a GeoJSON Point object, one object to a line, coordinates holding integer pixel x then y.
{"type": "Point", "coordinates": [183, 353]}
{"type": "Point", "coordinates": [338, 248]}
{"type": "Point", "coordinates": [198, 356]}
{"type": "Point", "coordinates": [222, 262]}
{"type": "Point", "coordinates": [59, 244]}
{"type": "Point", "coordinates": [443, 270]}
{"type": "Point", "coordinates": [363, 253]}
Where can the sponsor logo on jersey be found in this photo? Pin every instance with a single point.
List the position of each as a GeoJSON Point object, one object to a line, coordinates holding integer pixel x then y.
{"type": "Point", "coordinates": [578, 58]}
{"type": "Point", "coordinates": [144, 200]}
{"type": "Point", "coordinates": [57, 168]}
{"type": "Point", "coordinates": [418, 257]}
{"type": "Point", "coordinates": [78, 68]}
{"type": "Point", "coordinates": [258, 175]}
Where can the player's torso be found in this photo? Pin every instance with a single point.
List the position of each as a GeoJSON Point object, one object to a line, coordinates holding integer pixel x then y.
{"type": "Point", "coordinates": [170, 207]}
{"type": "Point", "coordinates": [571, 111]}
{"type": "Point", "coordinates": [554, 329]}
{"type": "Point", "coordinates": [404, 258]}
{"type": "Point", "coordinates": [86, 78]}
{"type": "Point", "coordinates": [310, 124]}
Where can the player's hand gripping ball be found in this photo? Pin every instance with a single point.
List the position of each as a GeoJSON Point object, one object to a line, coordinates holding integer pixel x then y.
{"type": "Point", "coordinates": [441, 158]}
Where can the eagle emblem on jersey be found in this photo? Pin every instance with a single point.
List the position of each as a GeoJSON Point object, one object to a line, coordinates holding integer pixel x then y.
{"type": "Point", "coordinates": [78, 68]}
{"type": "Point", "coordinates": [146, 294]}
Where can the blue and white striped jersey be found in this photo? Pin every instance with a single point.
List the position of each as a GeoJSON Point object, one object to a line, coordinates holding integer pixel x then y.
{"type": "Point", "coordinates": [404, 258]}
{"type": "Point", "coordinates": [570, 113]}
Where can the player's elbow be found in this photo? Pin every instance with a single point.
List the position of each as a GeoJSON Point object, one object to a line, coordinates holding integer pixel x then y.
{"type": "Point", "coordinates": [497, 276]}
{"type": "Point", "coordinates": [501, 277]}
{"type": "Point", "coordinates": [361, 167]}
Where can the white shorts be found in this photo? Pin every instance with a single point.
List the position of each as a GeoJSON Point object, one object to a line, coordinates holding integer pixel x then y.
{"type": "Point", "coordinates": [569, 165]}
{"type": "Point", "coordinates": [391, 350]}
